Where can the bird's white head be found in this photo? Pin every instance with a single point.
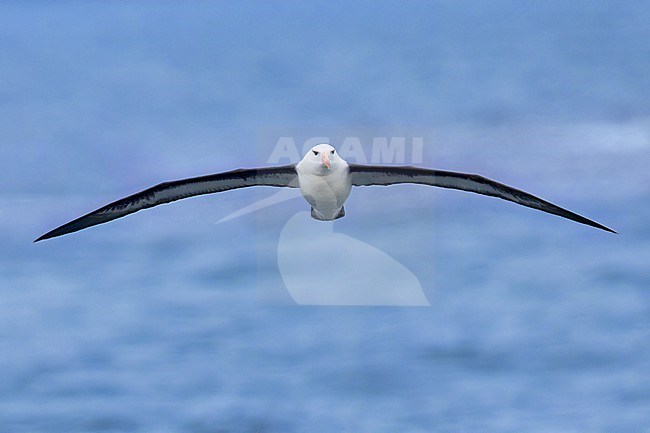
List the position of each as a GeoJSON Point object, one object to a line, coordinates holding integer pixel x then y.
{"type": "Point", "coordinates": [322, 156]}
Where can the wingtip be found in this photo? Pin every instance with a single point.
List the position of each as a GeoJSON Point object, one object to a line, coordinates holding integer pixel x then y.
{"type": "Point", "coordinates": [600, 226]}
{"type": "Point", "coordinates": [40, 238]}
{"type": "Point", "coordinates": [49, 235]}
{"type": "Point", "coordinates": [605, 228]}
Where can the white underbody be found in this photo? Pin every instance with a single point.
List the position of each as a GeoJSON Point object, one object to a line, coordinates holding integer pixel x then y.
{"type": "Point", "coordinates": [326, 190]}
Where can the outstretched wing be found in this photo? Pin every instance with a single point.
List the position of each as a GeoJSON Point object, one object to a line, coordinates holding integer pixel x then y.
{"type": "Point", "coordinates": [366, 175]}
{"type": "Point", "coordinates": [283, 176]}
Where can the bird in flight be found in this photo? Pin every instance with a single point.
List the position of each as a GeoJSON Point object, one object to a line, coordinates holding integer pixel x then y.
{"type": "Point", "coordinates": [325, 181]}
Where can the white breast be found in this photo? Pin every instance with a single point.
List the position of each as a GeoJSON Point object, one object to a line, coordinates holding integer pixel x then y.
{"type": "Point", "coordinates": [325, 190]}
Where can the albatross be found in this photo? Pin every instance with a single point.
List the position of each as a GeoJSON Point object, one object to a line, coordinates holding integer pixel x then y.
{"type": "Point", "coordinates": [325, 181]}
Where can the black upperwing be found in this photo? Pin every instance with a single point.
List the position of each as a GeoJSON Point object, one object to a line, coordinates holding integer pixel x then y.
{"type": "Point", "coordinates": [166, 192]}
{"type": "Point", "coordinates": [367, 175]}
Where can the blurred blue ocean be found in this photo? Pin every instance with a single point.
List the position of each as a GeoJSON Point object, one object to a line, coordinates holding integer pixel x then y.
{"type": "Point", "coordinates": [166, 322]}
